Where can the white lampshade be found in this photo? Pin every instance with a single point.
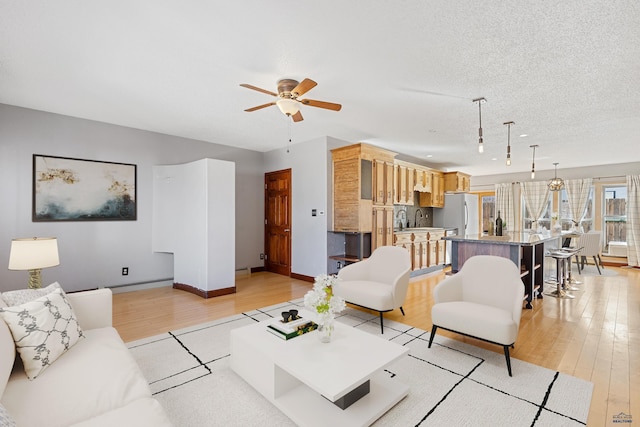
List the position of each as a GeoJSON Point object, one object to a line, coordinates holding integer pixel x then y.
{"type": "Point", "coordinates": [33, 253]}
{"type": "Point", "coordinates": [288, 106]}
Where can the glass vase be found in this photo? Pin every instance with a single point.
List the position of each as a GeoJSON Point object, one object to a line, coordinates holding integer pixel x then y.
{"type": "Point", "coordinates": [325, 329]}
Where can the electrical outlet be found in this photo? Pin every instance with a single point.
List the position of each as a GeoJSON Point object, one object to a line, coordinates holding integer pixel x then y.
{"type": "Point", "coordinates": [261, 256]}
{"type": "Point", "coordinates": [125, 271]}
{"type": "Point", "coordinates": [339, 265]}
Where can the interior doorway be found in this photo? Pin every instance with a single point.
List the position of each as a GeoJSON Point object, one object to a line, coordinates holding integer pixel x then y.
{"type": "Point", "coordinates": [277, 224]}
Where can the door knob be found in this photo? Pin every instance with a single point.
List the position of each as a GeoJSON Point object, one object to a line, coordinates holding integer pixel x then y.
{"type": "Point", "coordinates": [286, 230]}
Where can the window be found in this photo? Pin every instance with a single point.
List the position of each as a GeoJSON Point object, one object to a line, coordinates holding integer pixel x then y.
{"type": "Point", "coordinates": [488, 202]}
{"type": "Point", "coordinates": [565, 212]}
{"type": "Point", "coordinates": [614, 216]}
{"type": "Point", "coordinates": [544, 221]}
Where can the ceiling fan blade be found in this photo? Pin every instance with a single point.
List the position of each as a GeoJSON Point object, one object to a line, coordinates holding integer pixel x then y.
{"type": "Point", "coordinates": [260, 107]}
{"type": "Point", "coordinates": [268, 92]}
{"type": "Point", "coordinates": [297, 117]}
{"type": "Point", "coordinates": [303, 87]}
{"type": "Point", "coordinates": [321, 104]}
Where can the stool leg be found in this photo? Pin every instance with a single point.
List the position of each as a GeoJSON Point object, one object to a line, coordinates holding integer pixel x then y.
{"type": "Point", "coordinates": [560, 280]}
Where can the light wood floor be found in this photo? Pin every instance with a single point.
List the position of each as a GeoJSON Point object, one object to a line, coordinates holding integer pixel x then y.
{"type": "Point", "coordinates": [595, 336]}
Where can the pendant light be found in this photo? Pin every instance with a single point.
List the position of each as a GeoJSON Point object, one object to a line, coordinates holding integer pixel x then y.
{"type": "Point", "coordinates": [509, 141]}
{"type": "Point", "coordinates": [480, 142]}
{"type": "Point", "coordinates": [556, 183]}
{"type": "Point", "coordinates": [533, 162]}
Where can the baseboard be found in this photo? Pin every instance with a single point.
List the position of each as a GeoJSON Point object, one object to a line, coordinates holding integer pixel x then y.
{"type": "Point", "coordinates": [202, 293]}
{"type": "Point", "coordinates": [257, 269]}
{"type": "Point", "coordinates": [303, 277]}
{"type": "Point", "coordinates": [140, 286]}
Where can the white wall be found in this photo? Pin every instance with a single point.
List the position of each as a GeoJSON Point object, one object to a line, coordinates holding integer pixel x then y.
{"type": "Point", "coordinates": [194, 219]}
{"type": "Point", "coordinates": [92, 254]}
{"type": "Point", "coordinates": [308, 164]}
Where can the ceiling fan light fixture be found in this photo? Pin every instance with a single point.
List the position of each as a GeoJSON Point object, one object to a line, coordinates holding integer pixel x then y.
{"type": "Point", "coordinates": [555, 184]}
{"type": "Point", "coordinates": [288, 106]}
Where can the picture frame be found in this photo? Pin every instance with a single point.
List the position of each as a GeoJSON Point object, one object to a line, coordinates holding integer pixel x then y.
{"type": "Point", "coordinates": [70, 189]}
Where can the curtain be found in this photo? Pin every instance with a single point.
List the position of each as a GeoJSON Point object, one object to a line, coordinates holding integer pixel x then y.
{"type": "Point", "coordinates": [633, 220]}
{"type": "Point", "coordinates": [536, 195]}
{"type": "Point", "coordinates": [504, 204]}
{"type": "Point", "coordinates": [578, 196]}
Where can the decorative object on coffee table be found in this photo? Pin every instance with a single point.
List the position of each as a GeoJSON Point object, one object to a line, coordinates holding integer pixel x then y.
{"type": "Point", "coordinates": [322, 300]}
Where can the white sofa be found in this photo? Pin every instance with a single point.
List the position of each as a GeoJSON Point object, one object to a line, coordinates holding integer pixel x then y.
{"type": "Point", "coordinates": [94, 383]}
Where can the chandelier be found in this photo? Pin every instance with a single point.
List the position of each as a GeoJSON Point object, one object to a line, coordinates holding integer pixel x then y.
{"type": "Point", "coordinates": [555, 184]}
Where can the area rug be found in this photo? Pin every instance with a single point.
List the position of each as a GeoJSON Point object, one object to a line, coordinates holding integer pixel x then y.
{"type": "Point", "coordinates": [452, 383]}
{"type": "Point", "coordinates": [591, 270]}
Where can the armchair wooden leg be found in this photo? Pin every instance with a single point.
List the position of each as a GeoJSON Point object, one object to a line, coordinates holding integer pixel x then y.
{"type": "Point", "coordinates": [381, 327]}
{"type": "Point", "coordinates": [597, 265]}
{"type": "Point", "coordinates": [433, 334]}
{"type": "Point", "coordinates": [506, 355]}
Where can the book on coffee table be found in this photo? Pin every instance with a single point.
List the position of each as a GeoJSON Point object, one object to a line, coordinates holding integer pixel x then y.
{"type": "Point", "coordinates": [291, 329]}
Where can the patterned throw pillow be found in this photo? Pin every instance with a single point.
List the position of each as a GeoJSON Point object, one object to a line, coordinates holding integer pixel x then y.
{"type": "Point", "coordinates": [43, 329]}
{"type": "Point", "coordinates": [5, 418]}
{"type": "Point", "coordinates": [25, 295]}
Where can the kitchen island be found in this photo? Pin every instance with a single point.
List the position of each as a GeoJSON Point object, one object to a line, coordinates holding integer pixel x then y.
{"type": "Point", "coordinates": [526, 250]}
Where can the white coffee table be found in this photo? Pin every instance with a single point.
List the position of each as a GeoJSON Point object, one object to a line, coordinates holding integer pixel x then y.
{"type": "Point", "coordinates": [303, 377]}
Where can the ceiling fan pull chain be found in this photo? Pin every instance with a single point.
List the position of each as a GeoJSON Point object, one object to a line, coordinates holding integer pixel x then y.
{"type": "Point", "coordinates": [289, 120]}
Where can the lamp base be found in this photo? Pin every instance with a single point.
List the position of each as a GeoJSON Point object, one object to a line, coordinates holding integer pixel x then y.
{"type": "Point", "coordinates": [35, 278]}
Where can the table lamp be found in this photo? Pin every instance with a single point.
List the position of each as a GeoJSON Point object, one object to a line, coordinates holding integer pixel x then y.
{"type": "Point", "coordinates": [33, 254]}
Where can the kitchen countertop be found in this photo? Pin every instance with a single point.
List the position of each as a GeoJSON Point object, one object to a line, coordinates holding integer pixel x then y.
{"type": "Point", "coordinates": [507, 239]}
{"type": "Point", "coordinates": [414, 229]}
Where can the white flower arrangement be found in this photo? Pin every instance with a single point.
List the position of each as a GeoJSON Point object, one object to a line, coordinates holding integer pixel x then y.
{"type": "Point", "coordinates": [322, 299]}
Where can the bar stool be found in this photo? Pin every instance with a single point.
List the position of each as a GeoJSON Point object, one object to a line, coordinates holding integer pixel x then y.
{"type": "Point", "coordinates": [561, 257]}
{"type": "Point", "coordinates": [570, 281]}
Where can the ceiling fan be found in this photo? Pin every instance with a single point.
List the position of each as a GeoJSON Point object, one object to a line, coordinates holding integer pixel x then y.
{"type": "Point", "coordinates": [288, 92]}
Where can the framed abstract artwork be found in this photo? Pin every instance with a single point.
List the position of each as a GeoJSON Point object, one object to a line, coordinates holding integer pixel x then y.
{"type": "Point", "coordinates": [67, 189]}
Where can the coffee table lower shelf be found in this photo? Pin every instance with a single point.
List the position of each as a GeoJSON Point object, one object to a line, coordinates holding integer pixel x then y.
{"type": "Point", "coordinates": [306, 407]}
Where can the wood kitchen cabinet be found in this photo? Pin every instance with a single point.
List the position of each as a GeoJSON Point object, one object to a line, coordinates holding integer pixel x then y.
{"type": "Point", "coordinates": [404, 183]}
{"type": "Point", "coordinates": [436, 197]}
{"type": "Point", "coordinates": [457, 182]}
{"type": "Point", "coordinates": [422, 180]}
{"type": "Point", "coordinates": [383, 190]}
{"type": "Point", "coordinates": [382, 234]}
{"type": "Point", "coordinates": [426, 249]}
{"type": "Point", "coordinates": [360, 172]}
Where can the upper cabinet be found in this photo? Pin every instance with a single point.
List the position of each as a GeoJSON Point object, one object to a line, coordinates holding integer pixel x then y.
{"type": "Point", "coordinates": [362, 178]}
{"type": "Point", "coordinates": [457, 182]}
{"type": "Point", "coordinates": [405, 176]}
{"type": "Point", "coordinates": [435, 198]}
{"type": "Point", "coordinates": [423, 180]}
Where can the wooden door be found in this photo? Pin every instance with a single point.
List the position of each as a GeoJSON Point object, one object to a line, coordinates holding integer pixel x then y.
{"type": "Point", "coordinates": [277, 228]}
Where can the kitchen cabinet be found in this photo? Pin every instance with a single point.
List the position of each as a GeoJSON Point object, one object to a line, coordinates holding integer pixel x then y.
{"type": "Point", "coordinates": [425, 247]}
{"type": "Point", "coordinates": [457, 182]}
{"type": "Point", "coordinates": [404, 183]}
{"type": "Point", "coordinates": [422, 180]}
{"type": "Point", "coordinates": [383, 182]}
{"type": "Point", "coordinates": [360, 172]}
{"type": "Point", "coordinates": [435, 198]}
{"type": "Point", "coordinates": [383, 227]}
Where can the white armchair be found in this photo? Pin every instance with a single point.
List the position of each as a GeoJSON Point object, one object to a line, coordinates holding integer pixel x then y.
{"type": "Point", "coordinates": [379, 282]}
{"type": "Point", "coordinates": [483, 300]}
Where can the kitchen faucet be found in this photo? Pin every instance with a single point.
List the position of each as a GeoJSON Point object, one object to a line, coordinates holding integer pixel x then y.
{"type": "Point", "coordinates": [418, 211]}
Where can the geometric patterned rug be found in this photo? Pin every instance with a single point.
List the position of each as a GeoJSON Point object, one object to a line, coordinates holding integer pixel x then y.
{"type": "Point", "coordinates": [452, 383]}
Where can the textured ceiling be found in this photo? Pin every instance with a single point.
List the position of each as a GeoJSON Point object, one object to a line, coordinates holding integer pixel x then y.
{"type": "Point", "coordinates": [566, 72]}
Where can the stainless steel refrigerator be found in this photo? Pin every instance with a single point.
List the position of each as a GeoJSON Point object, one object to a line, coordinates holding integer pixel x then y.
{"type": "Point", "coordinates": [460, 211]}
